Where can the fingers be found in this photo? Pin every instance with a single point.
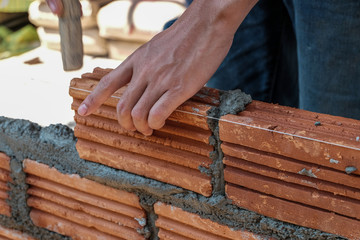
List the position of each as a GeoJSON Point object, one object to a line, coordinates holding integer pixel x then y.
{"type": "Point", "coordinates": [141, 110]}
{"type": "Point", "coordinates": [126, 104]}
{"type": "Point", "coordinates": [134, 106]}
{"type": "Point", "coordinates": [105, 88]}
{"type": "Point", "coordinates": [163, 108]}
{"type": "Point", "coordinates": [56, 6]}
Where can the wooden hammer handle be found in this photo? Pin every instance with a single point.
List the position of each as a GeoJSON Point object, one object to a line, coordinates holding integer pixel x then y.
{"type": "Point", "coordinates": [71, 35]}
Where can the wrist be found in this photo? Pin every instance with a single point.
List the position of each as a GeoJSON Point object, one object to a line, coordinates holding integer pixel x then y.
{"type": "Point", "coordinates": [223, 16]}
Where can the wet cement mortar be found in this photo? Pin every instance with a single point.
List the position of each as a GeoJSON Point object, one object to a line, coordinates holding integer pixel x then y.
{"type": "Point", "coordinates": [231, 102]}
{"type": "Point", "coordinates": [55, 146]}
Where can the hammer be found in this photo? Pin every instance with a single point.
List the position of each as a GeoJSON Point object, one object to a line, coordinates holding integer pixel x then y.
{"type": "Point", "coordinates": [72, 52]}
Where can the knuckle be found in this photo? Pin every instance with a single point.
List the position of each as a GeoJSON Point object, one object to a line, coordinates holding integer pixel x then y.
{"type": "Point", "coordinates": [122, 110]}
{"type": "Point", "coordinates": [90, 100]}
{"type": "Point", "coordinates": [105, 81]}
{"type": "Point", "coordinates": [138, 115]}
{"type": "Point", "coordinates": [179, 89]}
{"type": "Point", "coordinates": [156, 119]}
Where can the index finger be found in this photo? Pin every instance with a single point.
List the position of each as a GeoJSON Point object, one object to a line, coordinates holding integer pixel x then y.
{"type": "Point", "coordinates": [105, 88]}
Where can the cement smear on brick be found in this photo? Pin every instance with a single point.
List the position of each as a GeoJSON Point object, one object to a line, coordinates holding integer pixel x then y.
{"type": "Point", "coordinates": [55, 147]}
{"type": "Point", "coordinates": [231, 102]}
{"type": "Point", "coordinates": [13, 135]}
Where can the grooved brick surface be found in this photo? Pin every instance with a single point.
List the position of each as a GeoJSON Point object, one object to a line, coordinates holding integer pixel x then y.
{"type": "Point", "coordinates": [13, 234]}
{"type": "Point", "coordinates": [333, 144]}
{"type": "Point", "coordinates": [172, 154]}
{"type": "Point", "coordinates": [67, 228]}
{"type": "Point", "coordinates": [64, 203]}
{"type": "Point", "coordinates": [4, 179]}
{"type": "Point", "coordinates": [175, 223]}
{"type": "Point", "coordinates": [292, 169]}
{"type": "Point", "coordinates": [298, 214]}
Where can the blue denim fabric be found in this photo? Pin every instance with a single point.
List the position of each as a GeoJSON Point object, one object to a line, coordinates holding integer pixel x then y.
{"type": "Point", "coordinates": [253, 60]}
{"type": "Point", "coordinates": [300, 53]}
{"type": "Point", "coordinates": [258, 58]}
{"type": "Point", "coordinates": [328, 48]}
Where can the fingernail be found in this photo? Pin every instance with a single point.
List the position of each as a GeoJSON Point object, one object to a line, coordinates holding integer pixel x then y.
{"type": "Point", "coordinates": [52, 6]}
{"type": "Point", "coordinates": [82, 110]}
{"type": "Point", "coordinates": [148, 134]}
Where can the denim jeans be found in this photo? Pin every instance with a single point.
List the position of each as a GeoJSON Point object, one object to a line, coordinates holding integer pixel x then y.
{"type": "Point", "coordinates": [300, 53]}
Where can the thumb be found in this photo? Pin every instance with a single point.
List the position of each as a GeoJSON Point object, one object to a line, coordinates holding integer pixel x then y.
{"type": "Point", "coordinates": [105, 88]}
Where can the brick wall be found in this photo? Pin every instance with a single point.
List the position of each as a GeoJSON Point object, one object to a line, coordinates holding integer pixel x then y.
{"type": "Point", "coordinates": [80, 208]}
{"type": "Point", "coordinates": [6, 233]}
{"type": "Point", "coordinates": [4, 179]}
{"type": "Point", "coordinates": [268, 172]}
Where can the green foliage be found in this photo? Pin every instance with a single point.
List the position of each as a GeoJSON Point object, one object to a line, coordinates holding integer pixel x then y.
{"type": "Point", "coordinates": [15, 43]}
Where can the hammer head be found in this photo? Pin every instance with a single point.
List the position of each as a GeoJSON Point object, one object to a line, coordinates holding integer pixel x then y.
{"type": "Point", "coordinates": [71, 35]}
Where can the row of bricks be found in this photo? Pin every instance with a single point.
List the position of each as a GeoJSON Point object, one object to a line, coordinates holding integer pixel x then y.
{"type": "Point", "coordinates": [271, 152]}
{"type": "Point", "coordinates": [4, 179]}
{"type": "Point", "coordinates": [173, 154]}
{"type": "Point", "coordinates": [230, 127]}
{"type": "Point", "coordinates": [281, 160]}
{"type": "Point", "coordinates": [11, 234]}
{"type": "Point", "coordinates": [113, 213]}
{"type": "Point", "coordinates": [83, 209]}
{"type": "Point", "coordinates": [301, 140]}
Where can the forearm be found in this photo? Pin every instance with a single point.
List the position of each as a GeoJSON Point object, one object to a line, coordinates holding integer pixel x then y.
{"type": "Point", "coordinates": [173, 66]}
{"type": "Point", "coordinates": [223, 16]}
{"type": "Point", "coordinates": [206, 27]}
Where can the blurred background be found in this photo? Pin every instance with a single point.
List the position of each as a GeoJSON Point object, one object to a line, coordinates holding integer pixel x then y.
{"type": "Point", "coordinates": [33, 83]}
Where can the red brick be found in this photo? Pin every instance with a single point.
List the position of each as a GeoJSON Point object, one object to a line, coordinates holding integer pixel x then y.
{"type": "Point", "coordinates": [3, 186]}
{"type": "Point", "coordinates": [292, 170]}
{"type": "Point", "coordinates": [177, 222]}
{"type": "Point", "coordinates": [81, 88]}
{"type": "Point", "coordinates": [294, 212]}
{"type": "Point", "coordinates": [163, 234]}
{"type": "Point", "coordinates": [207, 95]}
{"type": "Point", "coordinates": [139, 146]}
{"type": "Point", "coordinates": [185, 230]}
{"type": "Point", "coordinates": [326, 179]}
{"type": "Point", "coordinates": [293, 192]}
{"type": "Point", "coordinates": [4, 176]}
{"type": "Point", "coordinates": [179, 148]}
{"type": "Point", "coordinates": [67, 228]}
{"type": "Point", "coordinates": [82, 184]}
{"type": "Point", "coordinates": [4, 162]}
{"type": "Point", "coordinates": [183, 130]}
{"type": "Point", "coordinates": [4, 208]}
{"type": "Point", "coordinates": [83, 219]}
{"type": "Point", "coordinates": [84, 207]}
{"type": "Point", "coordinates": [146, 166]}
{"type": "Point", "coordinates": [349, 124]}
{"type": "Point", "coordinates": [191, 113]}
{"type": "Point", "coordinates": [4, 179]}
{"type": "Point", "coordinates": [4, 195]}
{"type": "Point", "coordinates": [178, 137]}
{"type": "Point", "coordinates": [256, 136]}
{"type": "Point", "coordinates": [14, 234]}
{"type": "Point", "coordinates": [83, 197]}
{"type": "Point", "coordinates": [77, 200]}
{"type": "Point", "coordinates": [104, 111]}
{"type": "Point", "coordinates": [97, 73]}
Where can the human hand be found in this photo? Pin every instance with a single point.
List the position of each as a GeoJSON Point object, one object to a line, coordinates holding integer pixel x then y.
{"type": "Point", "coordinates": [168, 70]}
{"type": "Point", "coordinates": [56, 6]}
